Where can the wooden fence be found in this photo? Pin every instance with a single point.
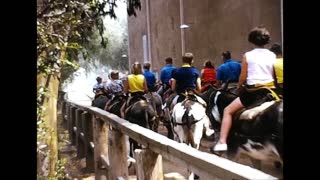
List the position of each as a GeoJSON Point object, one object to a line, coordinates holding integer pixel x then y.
{"type": "Point", "coordinates": [99, 136]}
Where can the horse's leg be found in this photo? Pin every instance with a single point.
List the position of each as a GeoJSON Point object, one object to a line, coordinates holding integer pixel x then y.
{"type": "Point", "coordinates": [133, 145]}
{"type": "Point", "coordinates": [168, 123]}
{"type": "Point", "coordinates": [191, 175]}
{"type": "Point", "coordinates": [130, 160]}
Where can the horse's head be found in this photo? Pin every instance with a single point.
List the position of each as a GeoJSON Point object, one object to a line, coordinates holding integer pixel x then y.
{"type": "Point", "coordinates": [216, 100]}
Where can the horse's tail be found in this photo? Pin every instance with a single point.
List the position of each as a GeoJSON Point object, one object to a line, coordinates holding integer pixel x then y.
{"type": "Point", "coordinates": [188, 120]}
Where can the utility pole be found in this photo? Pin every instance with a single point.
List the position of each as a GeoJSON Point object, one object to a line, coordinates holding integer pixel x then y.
{"type": "Point", "coordinates": [183, 48]}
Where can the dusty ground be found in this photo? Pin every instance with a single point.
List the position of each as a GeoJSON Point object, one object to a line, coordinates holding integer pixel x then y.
{"type": "Point", "coordinates": [75, 168]}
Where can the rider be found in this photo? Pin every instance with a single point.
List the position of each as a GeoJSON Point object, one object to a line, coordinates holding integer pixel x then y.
{"type": "Point", "coordinates": [99, 85]}
{"type": "Point", "coordinates": [114, 87]}
{"type": "Point", "coordinates": [208, 75]}
{"type": "Point", "coordinates": [165, 76]}
{"type": "Point", "coordinates": [135, 85]}
{"type": "Point", "coordinates": [150, 77]}
{"type": "Point", "coordinates": [229, 71]}
{"type": "Point", "coordinates": [257, 71]}
{"type": "Point", "coordinates": [184, 78]}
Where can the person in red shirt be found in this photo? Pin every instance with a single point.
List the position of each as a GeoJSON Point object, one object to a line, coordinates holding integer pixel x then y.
{"type": "Point", "coordinates": [208, 75]}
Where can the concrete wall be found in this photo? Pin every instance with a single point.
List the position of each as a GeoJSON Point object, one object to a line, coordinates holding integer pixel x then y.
{"type": "Point", "coordinates": [215, 26]}
{"type": "Point", "coordinates": [137, 27]}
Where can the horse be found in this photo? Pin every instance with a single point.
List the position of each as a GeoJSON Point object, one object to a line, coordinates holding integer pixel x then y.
{"type": "Point", "coordinates": [189, 121]}
{"type": "Point", "coordinates": [100, 100]}
{"type": "Point", "coordinates": [256, 131]}
{"type": "Point", "coordinates": [156, 102]}
{"type": "Point", "coordinates": [116, 104]}
{"type": "Point", "coordinates": [140, 111]}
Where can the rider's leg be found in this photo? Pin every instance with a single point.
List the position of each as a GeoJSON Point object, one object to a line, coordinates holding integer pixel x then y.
{"type": "Point", "coordinates": [226, 124]}
{"type": "Point", "coordinates": [122, 110]}
{"type": "Point", "coordinates": [106, 107]}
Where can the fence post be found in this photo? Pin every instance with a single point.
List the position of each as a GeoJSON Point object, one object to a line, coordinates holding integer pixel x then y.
{"type": "Point", "coordinates": [79, 131]}
{"type": "Point", "coordinates": [88, 137]}
{"type": "Point", "coordinates": [100, 135]}
{"type": "Point", "coordinates": [117, 154]}
{"type": "Point", "coordinates": [65, 114]}
{"type": "Point", "coordinates": [148, 164]}
{"type": "Point", "coordinates": [71, 124]}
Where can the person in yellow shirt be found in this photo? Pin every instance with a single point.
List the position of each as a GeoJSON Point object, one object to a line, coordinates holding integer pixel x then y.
{"type": "Point", "coordinates": [135, 84]}
{"type": "Point", "coordinates": [278, 66]}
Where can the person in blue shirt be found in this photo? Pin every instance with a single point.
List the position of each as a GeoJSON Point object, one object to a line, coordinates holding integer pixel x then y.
{"type": "Point", "coordinates": [165, 77]}
{"type": "Point", "coordinates": [228, 71]}
{"type": "Point", "coordinates": [165, 74]}
{"type": "Point", "coordinates": [184, 78]}
{"type": "Point", "coordinates": [98, 85]}
{"type": "Point", "coordinates": [150, 77]}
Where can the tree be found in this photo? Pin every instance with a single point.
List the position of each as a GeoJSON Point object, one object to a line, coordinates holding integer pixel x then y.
{"type": "Point", "coordinates": [63, 28]}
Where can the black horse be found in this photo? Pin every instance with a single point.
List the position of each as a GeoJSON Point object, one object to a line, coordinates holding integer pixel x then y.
{"type": "Point", "coordinates": [256, 131]}
{"type": "Point", "coordinates": [139, 111]}
{"type": "Point", "coordinates": [100, 99]}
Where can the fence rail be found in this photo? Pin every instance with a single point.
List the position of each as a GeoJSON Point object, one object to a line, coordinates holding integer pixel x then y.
{"type": "Point", "coordinates": [99, 136]}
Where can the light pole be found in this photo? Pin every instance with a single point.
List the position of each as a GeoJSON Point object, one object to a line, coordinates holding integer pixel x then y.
{"type": "Point", "coordinates": [183, 41]}
{"type": "Point", "coordinates": [182, 27]}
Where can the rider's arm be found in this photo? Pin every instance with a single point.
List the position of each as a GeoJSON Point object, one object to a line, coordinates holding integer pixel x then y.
{"type": "Point", "coordinates": [145, 85]}
{"type": "Point", "coordinates": [162, 76]}
{"type": "Point", "coordinates": [173, 84]}
{"type": "Point", "coordinates": [244, 71]}
{"type": "Point", "coordinates": [125, 86]}
{"type": "Point", "coordinates": [201, 73]}
{"type": "Point", "coordinates": [198, 84]}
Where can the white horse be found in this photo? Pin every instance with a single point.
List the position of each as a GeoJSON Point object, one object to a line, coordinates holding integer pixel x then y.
{"type": "Point", "coordinates": [189, 121]}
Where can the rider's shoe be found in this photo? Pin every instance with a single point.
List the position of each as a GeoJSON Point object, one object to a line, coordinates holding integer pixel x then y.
{"type": "Point", "coordinates": [220, 147]}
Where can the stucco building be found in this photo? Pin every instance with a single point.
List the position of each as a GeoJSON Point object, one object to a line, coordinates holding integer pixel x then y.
{"type": "Point", "coordinates": [213, 26]}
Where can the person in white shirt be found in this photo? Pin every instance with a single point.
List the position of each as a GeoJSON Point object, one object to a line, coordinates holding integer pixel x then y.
{"type": "Point", "coordinates": [114, 88]}
{"type": "Point", "coordinates": [256, 71]}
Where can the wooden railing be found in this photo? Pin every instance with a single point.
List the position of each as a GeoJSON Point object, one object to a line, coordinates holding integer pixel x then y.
{"type": "Point", "coordinates": [99, 136]}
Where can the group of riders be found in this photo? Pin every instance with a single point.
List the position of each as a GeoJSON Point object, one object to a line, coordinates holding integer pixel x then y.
{"type": "Point", "coordinates": [260, 67]}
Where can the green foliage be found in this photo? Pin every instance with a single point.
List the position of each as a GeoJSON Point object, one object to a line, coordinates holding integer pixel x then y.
{"type": "Point", "coordinates": [117, 45]}
{"type": "Point", "coordinates": [60, 170]}
{"type": "Point", "coordinates": [63, 28]}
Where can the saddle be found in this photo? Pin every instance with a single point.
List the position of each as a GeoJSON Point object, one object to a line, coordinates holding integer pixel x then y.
{"type": "Point", "coordinates": [192, 94]}
{"type": "Point", "coordinates": [133, 99]}
{"type": "Point", "coordinates": [118, 98]}
{"type": "Point", "coordinates": [257, 107]}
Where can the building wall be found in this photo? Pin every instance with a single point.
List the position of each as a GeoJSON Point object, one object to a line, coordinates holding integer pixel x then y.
{"type": "Point", "coordinates": [165, 32]}
{"type": "Point", "coordinates": [214, 26]}
{"type": "Point", "coordinates": [137, 27]}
